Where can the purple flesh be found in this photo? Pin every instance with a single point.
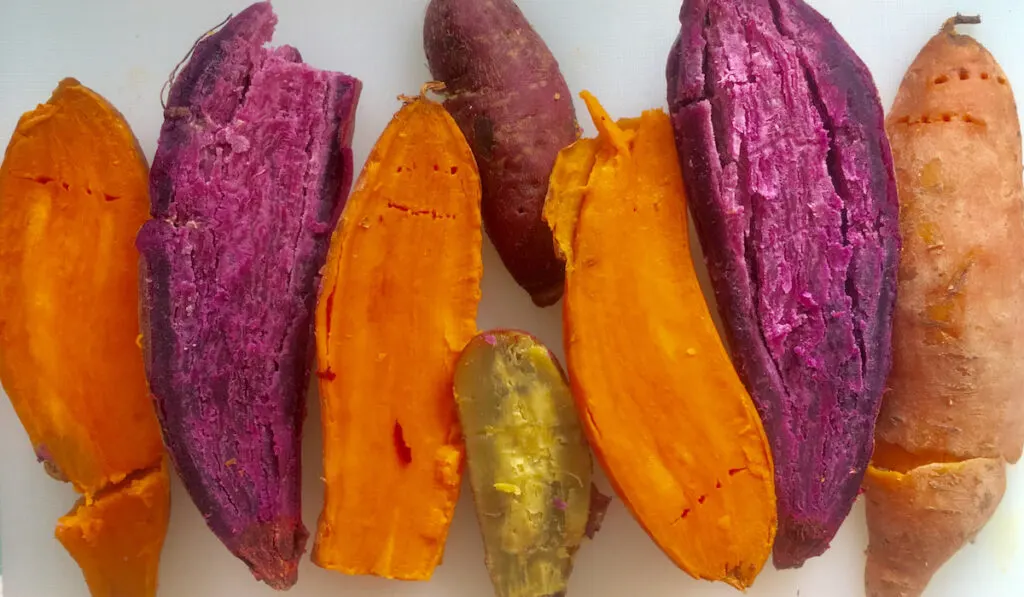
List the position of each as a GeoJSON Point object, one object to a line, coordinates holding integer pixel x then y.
{"type": "Point", "coordinates": [789, 175]}
{"type": "Point", "coordinates": [252, 170]}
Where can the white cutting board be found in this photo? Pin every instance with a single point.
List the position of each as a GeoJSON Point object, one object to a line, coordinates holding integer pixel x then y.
{"type": "Point", "coordinates": [124, 49]}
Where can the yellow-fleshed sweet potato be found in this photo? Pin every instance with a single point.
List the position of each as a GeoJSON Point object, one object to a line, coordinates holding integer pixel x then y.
{"type": "Point", "coordinates": [73, 193]}
{"type": "Point", "coordinates": [662, 405]}
{"type": "Point", "coordinates": [954, 413]}
{"type": "Point", "coordinates": [529, 464]}
{"type": "Point", "coordinates": [398, 304]}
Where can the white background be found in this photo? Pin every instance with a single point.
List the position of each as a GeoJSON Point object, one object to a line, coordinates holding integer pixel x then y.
{"type": "Point", "coordinates": [124, 49]}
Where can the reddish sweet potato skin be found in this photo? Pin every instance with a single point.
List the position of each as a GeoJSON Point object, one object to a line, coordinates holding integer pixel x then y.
{"type": "Point", "coordinates": [508, 96]}
{"type": "Point", "coordinates": [953, 412]}
{"type": "Point", "coordinates": [956, 376]}
{"type": "Point", "coordinates": [919, 519]}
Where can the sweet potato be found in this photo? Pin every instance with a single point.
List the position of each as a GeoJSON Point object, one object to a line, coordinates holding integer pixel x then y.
{"type": "Point", "coordinates": [72, 196]}
{"type": "Point", "coordinates": [529, 464]}
{"type": "Point", "coordinates": [398, 304]}
{"type": "Point", "coordinates": [662, 406]}
{"type": "Point", "coordinates": [918, 519]}
{"type": "Point", "coordinates": [117, 536]}
{"type": "Point", "coordinates": [954, 411]}
{"type": "Point", "coordinates": [783, 151]}
{"type": "Point", "coordinates": [510, 100]}
{"type": "Point", "coordinates": [251, 170]}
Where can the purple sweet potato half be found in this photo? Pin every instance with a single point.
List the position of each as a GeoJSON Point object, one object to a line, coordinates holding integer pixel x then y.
{"type": "Point", "coordinates": [783, 150]}
{"type": "Point", "coordinates": [509, 98]}
{"type": "Point", "coordinates": [251, 172]}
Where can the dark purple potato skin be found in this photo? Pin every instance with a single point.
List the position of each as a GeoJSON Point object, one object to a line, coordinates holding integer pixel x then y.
{"type": "Point", "coordinates": [789, 176]}
{"type": "Point", "coordinates": [252, 169]}
{"type": "Point", "coordinates": [511, 102]}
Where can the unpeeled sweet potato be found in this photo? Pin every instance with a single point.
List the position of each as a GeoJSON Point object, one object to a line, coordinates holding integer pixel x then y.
{"type": "Point", "coordinates": [954, 412]}
{"type": "Point", "coordinates": [510, 100]}
{"type": "Point", "coordinates": [73, 193]}
{"type": "Point", "coordinates": [398, 304]}
{"type": "Point", "coordinates": [251, 171]}
{"type": "Point", "coordinates": [785, 159]}
{"type": "Point", "coordinates": [529, 463]}
{"type": "Point", "coordinates": [663, 408]}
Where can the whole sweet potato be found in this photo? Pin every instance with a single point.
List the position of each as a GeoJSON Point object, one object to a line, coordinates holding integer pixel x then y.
{"type": "Point", "coordinates": [783, 150]}
{"type": "Point", "coordinates": [510, 100]}
{"type": "Point", "coordinates": [252, 168]}
{"type": "Point", "coordinates": [954, 412]}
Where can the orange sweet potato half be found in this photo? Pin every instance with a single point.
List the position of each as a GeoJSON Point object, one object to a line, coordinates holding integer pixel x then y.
{"type": "Point", "coordinates": [665, 411]}
{"type": "Point", "coordinates": [73, 193]}
{"type": "Point", "coordinates": [117, 538]}
{"type": "Point", "coordinates": [398, 304]}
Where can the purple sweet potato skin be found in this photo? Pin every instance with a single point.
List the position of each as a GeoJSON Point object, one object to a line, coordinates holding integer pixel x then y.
{"type": "Point", "coordinates": [251, 172]}
{"type": "Point", "coordinates": [788, 170]}
{"type": "Point", "coordinates": [509, 98]}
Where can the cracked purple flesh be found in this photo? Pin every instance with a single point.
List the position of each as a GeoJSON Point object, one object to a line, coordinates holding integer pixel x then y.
{"type": "Point", "coordinates": [789, 175]}
{"type": "Point", "coordinates": [252, 169]}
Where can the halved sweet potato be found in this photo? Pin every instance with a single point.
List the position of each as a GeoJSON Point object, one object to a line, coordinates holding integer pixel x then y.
{"type": "Point", "coordinates": [398, 304]}
{"type": "Point", "coordinates": [784, 155]}
{"type": "Point", "coordinates": [73, 190]}
{"type": "Point", "coordinates": [529, 463]}
{"type": "Point", "coordinates": [116, 538]}
{"type": "Point", "coordinates": [252, 169]}
{"type": "Point", "coordinates": [73, 193]}
{"type": "Point", "coordinates": [663, 407]}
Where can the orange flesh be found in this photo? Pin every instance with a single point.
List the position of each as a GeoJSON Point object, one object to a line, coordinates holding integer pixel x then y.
{"type": "Point", "coordinates": [891, 457]}
{"type": "Point", "coordinates": [73, 194]}
{"type": "Point", "coordinates": [104, 536]}
{"type": "Point", "coordinates": [398, 304]}
{"type": "Point", "coordinates": [663, 407]}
